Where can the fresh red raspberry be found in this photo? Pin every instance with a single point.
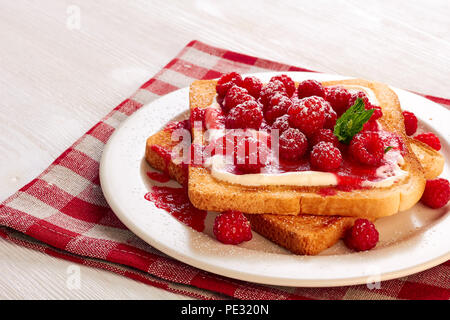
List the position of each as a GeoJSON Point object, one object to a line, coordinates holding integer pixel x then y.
{"type": "Point", "coordinates": [232, 227]}
{"type": "Point", "coordinates": [253, 85]}
{"type": "Point", "coordinates": [362, 235]}
{"type": "Point", "coordinates": [370, 125]}
{"type": "Point", "coordinates": [410, 122]}
{"type": "Point", "coordinates": [279, 105]}
{"type": "Point", "coordinates": [288, 83]}
{"type": "Point", "coordinates": [437, 193]}
{"type": "Point", "coordinates": [430, 139]}
{"type": "Point", "coordinates": [281, 123]}
{"type": "Point", "coordinates": [330, 117]}
{"type": "Point", "coordinates": [368, 148]}
{"type": "Point", "coordinates": [325, 135]}
{"type": "Point", "coordinates": [325, 156]}
{"type": "Point", "coordinates": [308, 115]}
{"type": "Point", "coordinates": [392, 140]}
{"type": "Point", "coordinates": [226, 82]}
{"type": "Point", "coordinates": [235, 95]}
{"type": "Point", "coordinates": [356, 95]}
{"type": "Point", "coordinates": [293, 144]}
{"type": "Point", "coordinates": [250, 154]}
{"type": "Point", "coordinates": [377, 113]}
{"type": "Point", "coordinates": [245, 115]}
{"type": "Point", "coordinates": [269, 89]}
{"type": "Point", "coordinates": [310, 88]}
{"type": "Point", "coordinates": [339, 98]}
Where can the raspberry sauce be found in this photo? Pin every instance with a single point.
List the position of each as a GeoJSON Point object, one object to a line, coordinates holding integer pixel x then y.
{"type": "Point", "coordinates": [176, 202]}
{"type": "Point", "coordinates": [158, 176]}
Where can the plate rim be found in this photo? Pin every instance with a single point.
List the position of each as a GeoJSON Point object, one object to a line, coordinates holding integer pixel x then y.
{"type": "Point", "coordinates": [261, 279]}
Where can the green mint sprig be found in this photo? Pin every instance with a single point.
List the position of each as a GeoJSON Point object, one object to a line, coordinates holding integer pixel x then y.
{"type": "Point", "coordinates": [388, 148]}
{"type": "Point", "coordinates": [352, 121]}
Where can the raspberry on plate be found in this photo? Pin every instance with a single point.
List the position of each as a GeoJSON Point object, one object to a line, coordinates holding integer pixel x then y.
{"type": "Point", "coordinates": [236, 95]}
{"type": "Point", "coordinates": [279, 105]}
{"type": "Point", "coordinates": [430, 139]}
{"type": "Point", "coordinates": [377, 113]}
{"type": "Point", "coordinates": [310, 88]}
{"type": "Point", "coordinates": [288, 83]}
{"type": "Point", "coordinates": [325, 135]}
{"type": "Point", "coordinates": [339, 98]}
{"type": "Point", "coordinates": [281, 123]}
{"type": "Point", "coordinates": [308, 115]}
{"type": "Point", "coordinates": [410, 121]}
{"type": "Point", "coordinates": [226, 82]}
{"type": "Point", "coordinates": [356, 95]}
{"type": "Point", "coordinates": [253, 85]}
{"type": "Point", "coordinates": [245, 115]}
{"type": "Point", "coordinates": [368, 148]}
{"type": "Point", "coordinates": [330, 117]}
{"type": "Point", "coordinates": [325, 156]}
{"type": "Point", "coordinates": [437, 193]}
{"type": "Point", "coordinates": [362, 235]}
{"type": "Point", "coordinates": [250, 154]}
{"type": "Point", "coordinates": [232, 227]}
{"type": "Point", "coordinates": [269, 89]}
{"type": "Point", "coordinates": [293, 144]}
{"type": "Point", "coordinates": [370, 125]}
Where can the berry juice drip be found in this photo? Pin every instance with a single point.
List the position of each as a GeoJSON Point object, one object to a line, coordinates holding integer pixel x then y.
{"type": "Point", "coordinates": [176, 202]}
{"type": "Point", "coordinates": [158, 176]}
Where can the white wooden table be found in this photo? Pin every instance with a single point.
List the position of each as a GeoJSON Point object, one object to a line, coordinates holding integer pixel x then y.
{"type": "Point", "coordinates": [60, 75]}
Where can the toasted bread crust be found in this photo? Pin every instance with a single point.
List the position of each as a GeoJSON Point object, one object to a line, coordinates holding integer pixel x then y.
{"type": "Point", "coordinates": [207, 193]}
{"type": "Point", "coordinates": [302, 234]}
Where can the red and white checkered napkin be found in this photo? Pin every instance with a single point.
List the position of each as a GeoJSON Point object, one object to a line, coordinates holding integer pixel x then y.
{"type": "Point", "coordinates": [63, 213]}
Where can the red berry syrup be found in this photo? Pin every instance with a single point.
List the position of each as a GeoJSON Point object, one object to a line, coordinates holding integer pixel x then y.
{"type": "Point", "coordinates": [176, 202]}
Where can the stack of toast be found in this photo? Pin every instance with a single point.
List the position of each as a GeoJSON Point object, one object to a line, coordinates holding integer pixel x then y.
{"type": "Point", "coordinates": [301, 219]}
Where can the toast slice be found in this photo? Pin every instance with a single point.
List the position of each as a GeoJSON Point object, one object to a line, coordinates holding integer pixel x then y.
{"type": "Point", "coordinates": [301, 234]}
{"type": "Point", "coordinates": [207, 193]}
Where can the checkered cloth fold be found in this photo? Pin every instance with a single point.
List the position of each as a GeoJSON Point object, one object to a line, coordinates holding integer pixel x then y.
{"type": "Point", "coordinates": [64, 214]}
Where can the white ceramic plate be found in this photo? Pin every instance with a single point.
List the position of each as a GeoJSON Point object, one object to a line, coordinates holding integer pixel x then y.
{"type": "Point", "coordinates": [410, 241]}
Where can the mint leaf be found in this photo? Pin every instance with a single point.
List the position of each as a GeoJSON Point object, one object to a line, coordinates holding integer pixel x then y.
{"type": "Point", "coordinates": [352, 121]}
{"type": "Point", "coordinates": [388, 148]}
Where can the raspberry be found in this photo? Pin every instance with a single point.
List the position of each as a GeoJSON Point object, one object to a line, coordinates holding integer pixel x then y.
{"type": "Point", "coordinates": [410, 122]}
{"type": "Point", "coordinates": [245, 115]}
{"type": "Point", "coordinates": [359, 94]}
{"type": "Point", "coordinates": [226, 82]}
{"type": "Point", "coordinates": [253, 86]}
{"type": "Point", "coordinates": [250, 154]}
{"type": "Point", "coordinates": [279, 105]}
{"type": "Point", "coordinates": [392, 140]}
{"type": "Point", "coordinates": [330, 117]}
{"type": "Point", "coordinates": [430, 139]}
{"type": "Point", "coordinates": [310, 88]}
{"type": "Point", "coordinates": [368, 148]}
{"type": "Point", "coordinates": [288, 83]}
{"type": "Point", "coordinates": [362, 235]}
{"type": "Point", "coordinates": [293, 144]}
{"type": "Point", "coordinates": [269, 89]}
{"type": "Point", "coordinates": [232, 227]}
{"type": "Point", "coordinates": [339, 98]}
{"type": "Point", "coordinates": [325, 156]}
{"type": "Point", "coordinates": [235, 95]}
{"type": "Point", "coordinates": [325, 135]}
{"type": "Point", "coordinates": [377, 113]}
{"type": "Point", "coordinates": [308, 115]}
{"type": "Point", "coordinates": [437, 193]}
{"type": "Point", "coordinates": [281, 123]}
{"type": "Point", "coordinates": [370, 125]}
